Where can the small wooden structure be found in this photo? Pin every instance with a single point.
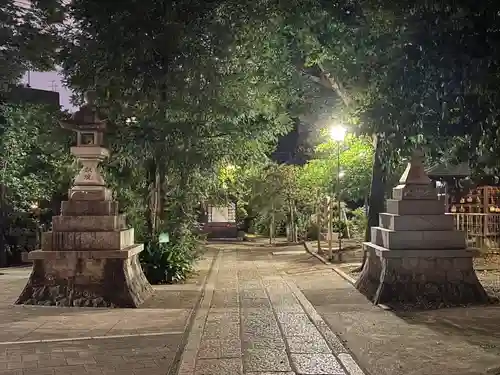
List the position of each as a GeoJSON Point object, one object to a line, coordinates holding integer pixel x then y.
{"type": "Point", "coordinates": [220, 221]}
{"type": "Point", "coordinates": [475, 208]}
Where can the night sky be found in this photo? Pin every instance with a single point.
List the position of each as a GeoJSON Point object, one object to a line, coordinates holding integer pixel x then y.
{"type": "Point", "coordinates": [50, 81]}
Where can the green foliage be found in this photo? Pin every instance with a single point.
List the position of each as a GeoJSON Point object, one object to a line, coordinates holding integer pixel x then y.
{"type": "Point", "coordinates": [356, 154]}
{"type": "Point", "coordinates": [165, 263]}
{"type": "Point", "coordinates": [202, 94]}
{"type": "Point", "coordinates": [28, 37]}
{"type": "Point", "coordinates": [357, 223]}
{"type": "Point", "coordinates": [36, 163]}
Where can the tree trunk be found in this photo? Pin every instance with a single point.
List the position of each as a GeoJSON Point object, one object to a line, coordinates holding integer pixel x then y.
{"type": "Point", "coordinates": [318, 222]}
{"type": "Point", "coordinates": [271, 226]}
{"type": "Point", "coordinates": [376, 201]}
{"type": "Point", "coordinates": [292, 223]}
{"type": "Point", "coordinates": [3, 243]}
{"type": "Point", "coordinates": [150, 214]}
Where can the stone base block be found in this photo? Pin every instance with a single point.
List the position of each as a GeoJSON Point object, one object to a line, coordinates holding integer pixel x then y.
{"type": "Point", "coordinates": [416, 222]}
{"type": "Point", "coordinates": [86, 279]}
{"type": "Point", "coordinates": [88, 223]}
{"type": "Point", "coordinates": [89, 208]}
{"type": "Point", "coordinates": [434, 279]}
{"type": "Point", "coordinates": [74, 241]}
{"type": "Point", "coordinates": [409, 207]}
{"type": "Point", "coordinates": [420, 239]}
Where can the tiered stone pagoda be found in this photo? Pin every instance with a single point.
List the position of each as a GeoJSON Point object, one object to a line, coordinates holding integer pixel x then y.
{"type": "Point", "coordinates": [89, 258]}
{"type": "Point", "coordinates": [415, 256]}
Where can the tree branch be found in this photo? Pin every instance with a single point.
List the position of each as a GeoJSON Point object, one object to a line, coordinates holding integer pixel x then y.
{"type": "Point", "coordinates": [335, 85]}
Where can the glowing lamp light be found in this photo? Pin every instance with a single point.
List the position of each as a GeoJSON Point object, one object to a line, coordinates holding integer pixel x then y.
{"type": "Point", "coordinates": [338, 133]}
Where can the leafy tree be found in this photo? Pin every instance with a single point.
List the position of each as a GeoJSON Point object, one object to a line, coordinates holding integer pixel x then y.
{"type": "Point", "coordinates": [201, 92]}
{"type": "Point", "coordinates": [28, 35]}
{"type": "Point", "coordinates": [356, 155]}
{"type": "Point", "coordinates": [36, 166]}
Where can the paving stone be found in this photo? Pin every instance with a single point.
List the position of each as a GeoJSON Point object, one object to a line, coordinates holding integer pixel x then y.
{"type": "Point", "coordinates": [11, 372]}
{"type": "Point", "coordinates": [308, 345]}
{"type": "Point", "coordinates": [293, 318]}
{"type": "Point", "coordinates": [259, 342]}
{"type": "Point", "coordinates": [265, 360]}
{"type": "Point", "coordinates": [332, 339]}
{"type": "Point", "coordinates": [299, 329]}
{"type": "Point", "coordinates": [255, 303]}
{"type": "Point", "coordinates": [264, 327]}
{"type": "Point", "coordinates": [219, 367]}
{"type": "Point", "coordinates": [350, 365]}
{"type": "Point", "coordinates": [253, 293]}
{"type": "Point", "coordinates": [317, 364]}
{"type": "Point", "coordinates": [220, 349]}
{"type": "Point", "coordinates": [215, 330]}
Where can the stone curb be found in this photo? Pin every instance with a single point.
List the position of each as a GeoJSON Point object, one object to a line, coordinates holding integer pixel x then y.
{"type": "Point", "coordinates": [334, 342]}
{"type": "Point", "coordinates": [187, 362]}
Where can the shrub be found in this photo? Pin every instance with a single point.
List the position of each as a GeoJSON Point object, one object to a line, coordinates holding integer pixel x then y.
{"type": "Point", "coordinates": [167, 263]}
{"type": "Point", "coordinates": [358, 223]}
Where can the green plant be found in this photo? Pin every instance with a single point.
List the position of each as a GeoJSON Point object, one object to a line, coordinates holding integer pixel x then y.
{"type": "Point", "coordinates": [167, 263]}
{"type": "Point", "coordinates": [358, 223]}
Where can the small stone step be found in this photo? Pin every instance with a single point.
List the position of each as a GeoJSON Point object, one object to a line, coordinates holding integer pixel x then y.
{"type": "Point", "coordinates": [416, 222]}
{"type": "Point", "coordinates": [425, 239]}
{"type": "Point", "coordinates": [413, 207]}
{"type": "Point", "coordinates": [88, 223]}
{"type": "Point", "coordinates": [109, 240]}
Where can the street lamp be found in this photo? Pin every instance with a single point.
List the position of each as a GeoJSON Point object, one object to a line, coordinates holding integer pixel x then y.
{"type": "Point", "coordinates": [338, 134]}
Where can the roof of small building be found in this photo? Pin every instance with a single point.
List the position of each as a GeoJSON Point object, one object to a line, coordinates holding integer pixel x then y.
{"type": "Point", "coordinates": [449, 170]}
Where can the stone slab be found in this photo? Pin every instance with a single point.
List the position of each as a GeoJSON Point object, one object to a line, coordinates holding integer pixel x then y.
{"type": "Point", "coordinates": [90, 193]}
{"type": "Point", "coordinates": [99, 254]}
{"type": "Point", "coordinates": [414, 192]}
{"type": "Point", "coordinates": [427, 253]}
{"type": "Point", "coordinates": [89, 208]}
{"type": "Point", "coordinates": [110, 240]}
{"type": "Point", "coordinates": [430, 239]}
{"type": "Point", "coordinates": [88, 223]}
{"type": "Point", "coordinates": [410, 207]}
{"type": "Point", "coordinates": [90, 152]}
{"type": "Point", "coordinates": [416, 222]}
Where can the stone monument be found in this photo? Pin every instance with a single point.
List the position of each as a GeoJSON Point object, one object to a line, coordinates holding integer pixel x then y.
{"type": "Point", "coordinates": [415, 256]}
{"type": "Point", "coordinates": [89, 258]}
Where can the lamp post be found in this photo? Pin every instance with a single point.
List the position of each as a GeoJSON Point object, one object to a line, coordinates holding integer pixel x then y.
{"type": "Point", "coordinates": [338, 133]}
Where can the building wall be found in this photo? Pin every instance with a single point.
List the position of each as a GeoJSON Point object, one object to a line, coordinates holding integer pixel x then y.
{"type": "Point", "coordinates": [220, 215]}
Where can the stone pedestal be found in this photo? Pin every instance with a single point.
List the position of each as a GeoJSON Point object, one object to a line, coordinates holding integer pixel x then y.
{"type": "Point", "coordinates": [415, 256]}
{"type": "Point", "coordinates": [89, 259]}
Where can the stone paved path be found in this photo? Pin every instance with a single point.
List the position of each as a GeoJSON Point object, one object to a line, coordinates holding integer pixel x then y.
{"type": "Point", "coordinates": [253, 320]}
{"type": "Point", "coordinates": [40, 340]}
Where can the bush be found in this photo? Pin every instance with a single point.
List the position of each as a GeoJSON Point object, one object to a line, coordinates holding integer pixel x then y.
{"type": "Point", "coordinates": [167, 263]}
{"type": "Point", "coordinates": [358, 223]}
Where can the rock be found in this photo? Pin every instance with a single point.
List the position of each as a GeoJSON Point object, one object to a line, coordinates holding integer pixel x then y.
{"type": "Point", "coordinates": [98, 302]}
{"type": "Point", "coordinates": [62, 302]}
{"type": "Point", "coordinates": [55, 291]}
